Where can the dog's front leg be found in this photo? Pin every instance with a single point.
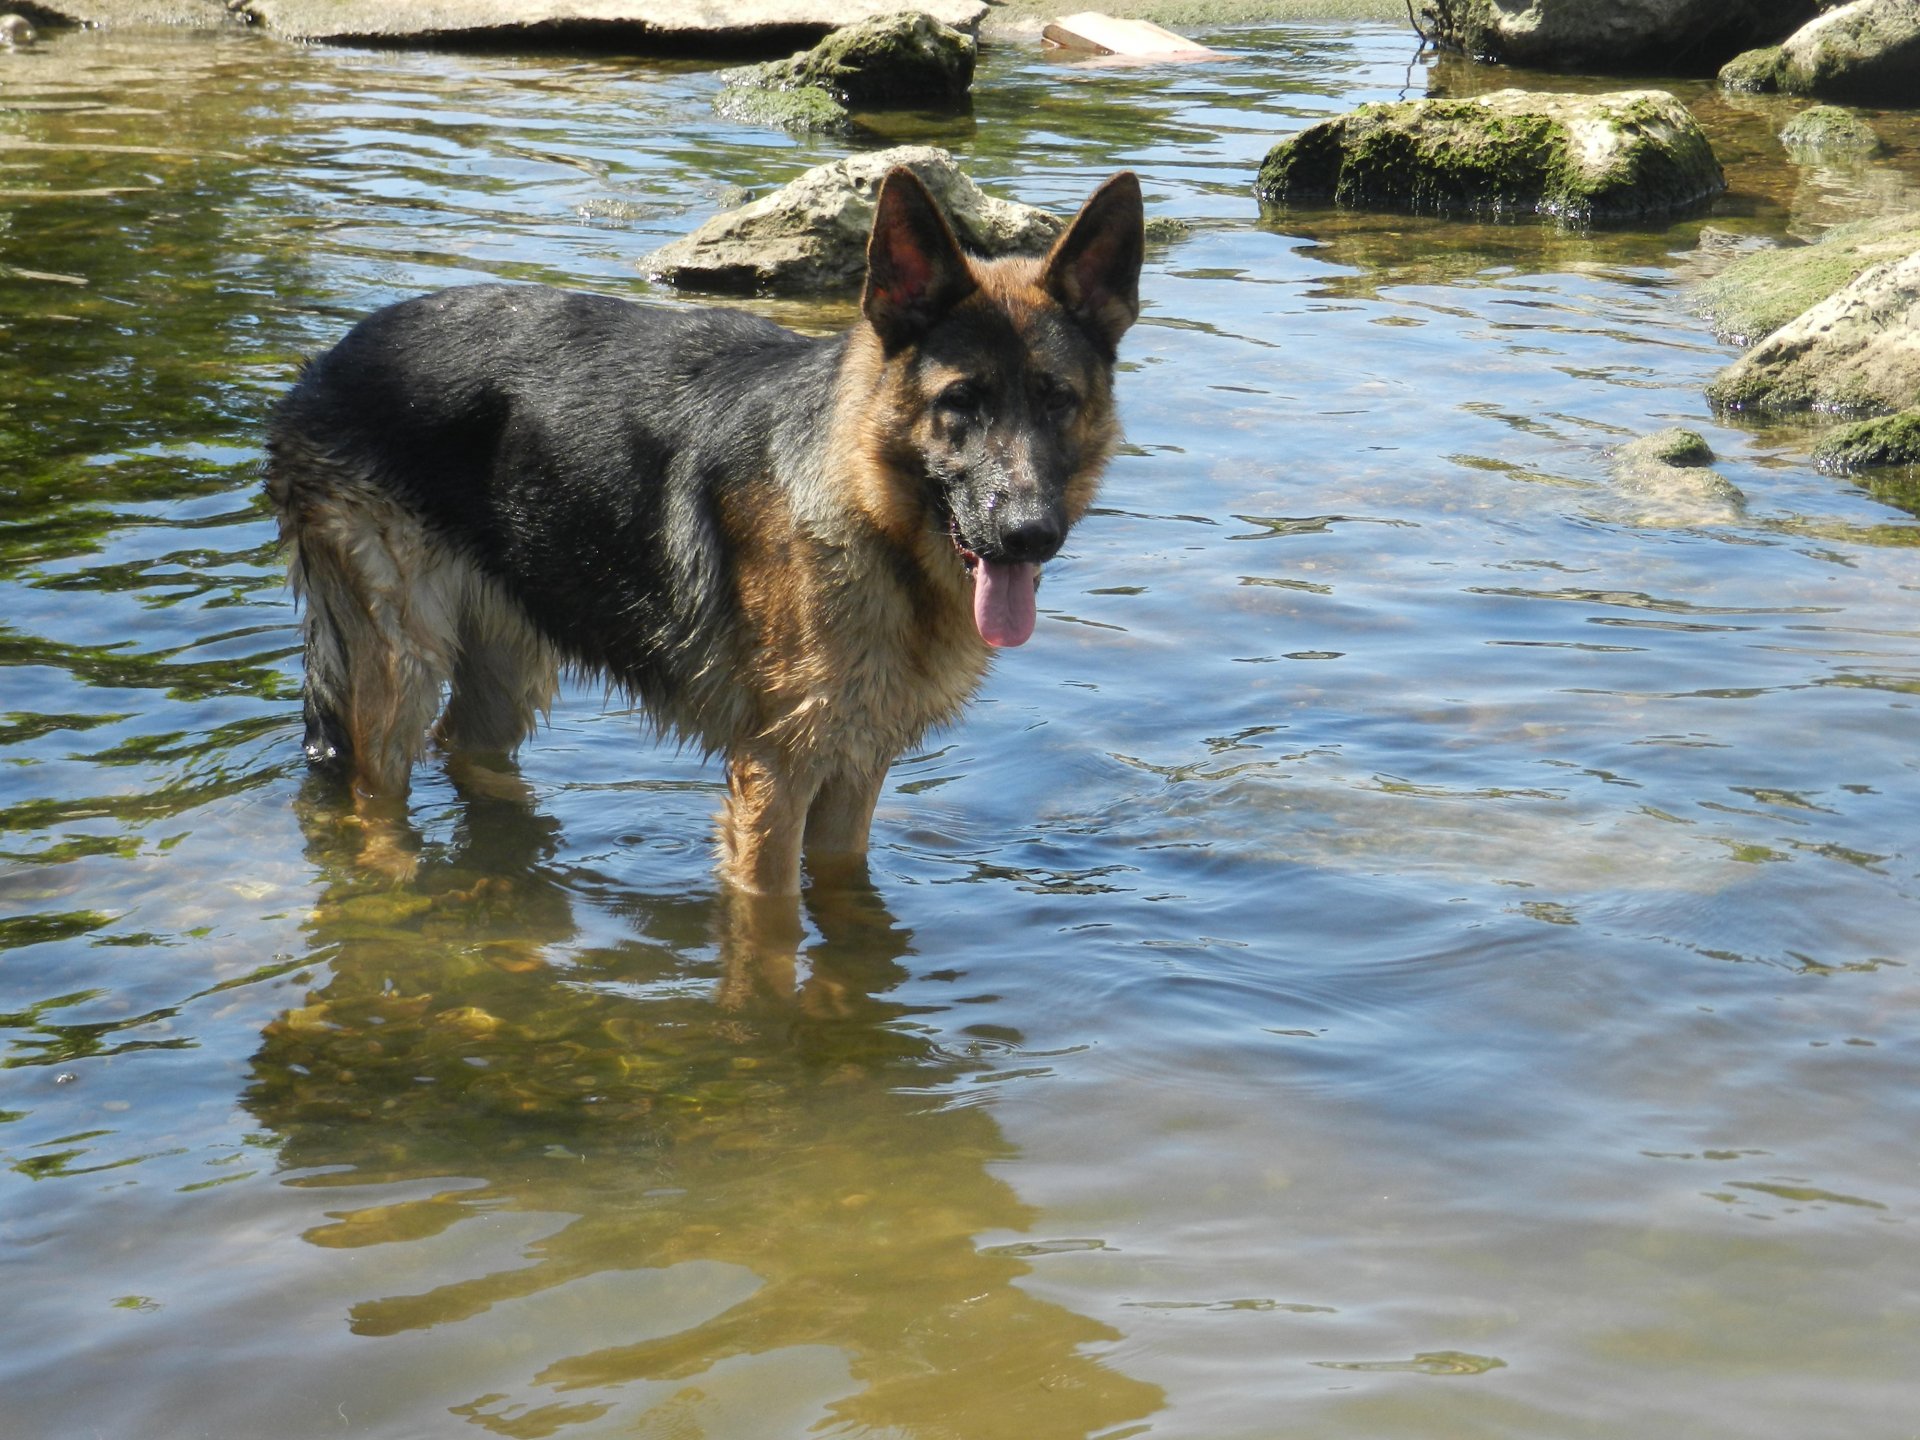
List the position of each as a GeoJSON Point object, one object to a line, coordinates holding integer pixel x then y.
{"type": "Point", "coordinates": [838, 823]}
{"type": "Point", "coordinates": [767, 799]}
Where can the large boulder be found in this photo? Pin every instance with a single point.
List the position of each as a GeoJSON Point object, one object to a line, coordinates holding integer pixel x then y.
{"type": "Point", "coordinates": [1678, 36]}
{"type": "Point", "coordinates": [1764, 289]}
{"type": "Point", "coordinates": [762, 26]}
{"type": "Point", "coordinates": [1856, 351]}
{"type": "Point", "coordinates": [908, 59]}
{"type": "Point", "coordinates": [1578, 158]}
{"type": "Point", "coordinates": [1867, 50]}
{"type": "Point", "coordinates": [811, 235]}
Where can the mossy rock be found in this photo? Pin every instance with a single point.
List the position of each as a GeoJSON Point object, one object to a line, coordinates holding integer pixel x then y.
{"type": "Point", "coordinates": [1854, 352]}
{"type": "Point", "coordinates": [1576, 158]}
{"type": "Point", "coordinates": [1763, 290]}
{"type": "Point", "coordinates": [1828, 131]}
{"type": "Point", "coordinates": [1866, 50]}
{"type": "Point", "coordinates": [800, 110]}
{"type": "Point", "coordinates": [1884, 440]}
{"type": "Point", "coordinates": [1755, 72]}
{"type": "Point", "coordinates": [1673, 446]}
{"type": "Point", "coordinates": [1672, 469]}
{"type": "Point", "coordinates": [909, 60]}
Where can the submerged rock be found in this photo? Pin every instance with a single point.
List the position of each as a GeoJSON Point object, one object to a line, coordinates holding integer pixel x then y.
{"type": "Point", "coordinates": [812, 233]}
{"type": "Point", "coordinates": [1677, 35]}
{"type": "Point", "coordinates": [1866, 50]}
{"type": "Point", "coordinates": [1857, 350]}
{"type": "Point", "coordinates": [1761, 291]}
{"type": "Point", "coordinates": [1824, 131]}
{"type": "Point", "coordinates": [1884, 440]}
{"type": "Point", "coordinates": [1579, 158]}
{"type": "Point", "coordinates": [1671, 469]}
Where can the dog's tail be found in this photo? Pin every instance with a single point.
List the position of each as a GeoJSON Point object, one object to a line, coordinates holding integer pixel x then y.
{"type": "Point", "coordinates": [379, 626]}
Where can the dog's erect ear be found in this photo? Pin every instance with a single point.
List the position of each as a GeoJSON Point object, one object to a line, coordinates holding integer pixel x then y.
{"type": "Point", "coordinates": [915, 269]}
{"type": "Point", "coordinates": [1094, 269]}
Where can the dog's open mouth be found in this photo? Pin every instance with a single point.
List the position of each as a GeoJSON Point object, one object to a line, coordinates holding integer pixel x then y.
{"type": "Point", "coordinates": [1003, 591]}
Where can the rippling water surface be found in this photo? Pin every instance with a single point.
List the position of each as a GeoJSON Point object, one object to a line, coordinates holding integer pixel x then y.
{"type": "Point", "coordinates": [1419, 945]}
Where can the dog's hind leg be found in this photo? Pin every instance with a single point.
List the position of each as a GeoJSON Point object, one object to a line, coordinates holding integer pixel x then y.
{"type": "Point", "coordinates": [505, 676]}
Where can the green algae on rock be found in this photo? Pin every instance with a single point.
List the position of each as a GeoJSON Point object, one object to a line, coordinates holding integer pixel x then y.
{"type": "Point", "coordinates": [909, 59]}
{"type": "Point", "coordinates": [1883, 440]}
{"type": "Point", "coordinates": [1866, 50]}
{"type": "Point", "coordinates": [1670, 472]}
{"type": "Point", "coordinates": [1824, 131]}
{"type": "Point", "coordinates": [1764, 289]}
{"type": "Point", "coordinates": [1577, 158]}
{"type": "Point", "coordinates": [1856, 351]}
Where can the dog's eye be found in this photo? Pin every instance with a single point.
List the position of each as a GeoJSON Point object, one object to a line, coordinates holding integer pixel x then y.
{"type": "Point", "coordinates": [1054, 394]}
{"type": "Point", "coordinates": [963, 399]}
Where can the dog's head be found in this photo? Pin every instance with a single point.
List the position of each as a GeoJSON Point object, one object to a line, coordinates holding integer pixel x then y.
{"type": "Point", "coordinates": [998, 378]}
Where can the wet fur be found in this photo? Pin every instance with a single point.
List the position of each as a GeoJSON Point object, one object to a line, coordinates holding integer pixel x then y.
{"type": "Point", "coordinates": [756, 534]}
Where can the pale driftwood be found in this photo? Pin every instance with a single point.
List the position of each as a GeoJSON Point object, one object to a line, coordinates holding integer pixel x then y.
{"type": "Point", "coordinates": [1098, 34]}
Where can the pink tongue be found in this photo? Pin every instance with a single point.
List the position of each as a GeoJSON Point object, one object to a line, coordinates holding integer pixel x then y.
{"type": "Point", "coordinates": [1003, 601]}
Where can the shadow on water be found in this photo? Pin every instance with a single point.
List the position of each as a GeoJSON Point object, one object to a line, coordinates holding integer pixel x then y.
{"type": "Point", "coordinates": [774, 1176]}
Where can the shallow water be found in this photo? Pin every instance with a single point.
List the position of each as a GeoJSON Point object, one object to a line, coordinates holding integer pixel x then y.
{"type": "Point", "coordinates": [1418, 945]}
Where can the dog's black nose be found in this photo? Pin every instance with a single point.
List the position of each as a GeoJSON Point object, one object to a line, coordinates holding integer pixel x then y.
{"type": "Point", "coordinates": [1032, 539]}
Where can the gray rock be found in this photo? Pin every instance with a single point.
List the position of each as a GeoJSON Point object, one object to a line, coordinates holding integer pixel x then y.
{"type": "Point", "coordinates": [1676, 35]}
{"type": "Point", "coordinates": [1858, 350]}
{"type": "Point", "coordinates": [1869, 444]}
{"type": "Point", "coordinates": [108, 14]}
{"type": "Point", "coordinates": [1761, 291]}
{"type": "Point", "coordinates": [1866, 50]}
{"type": "Point", "coordinates": [811, 234]}
{"type": "Point", "coordinates": [1577, 158]}
{"type": "Point", "coordinates": [1828, 131]}
{"type": "Point", "coordinates": [748, 25]}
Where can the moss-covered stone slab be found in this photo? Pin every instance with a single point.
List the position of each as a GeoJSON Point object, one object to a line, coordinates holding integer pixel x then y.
{"type": "Point", "coordinates": [1577, 158]}
{"type": "Point", "coordinates": [799, 111]}
{"type": "Point", "coordinates": [1856, 351]}
{"type": "Point", "coordinates": [1764, 289]}
{"type": "Point", "coordinates": [1830, 132]}
{"type": "Point", "coordinates": [1676, 36]}
{"type": "Point", "coordinates": [1871, 444]}
{"type": "Point", "coordinates": [904, 60]}
{"type": "Point", "coordinates": [1868, 50]}
{"type": "Point", "coordinates": [811, 234]}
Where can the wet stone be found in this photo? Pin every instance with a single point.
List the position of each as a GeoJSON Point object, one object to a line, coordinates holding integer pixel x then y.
{"type": "Point", "coordinates": [811, 234]}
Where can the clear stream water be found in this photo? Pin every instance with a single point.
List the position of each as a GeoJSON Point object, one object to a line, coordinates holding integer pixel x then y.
{"type": "Point", "coordinates": [1420, 945]}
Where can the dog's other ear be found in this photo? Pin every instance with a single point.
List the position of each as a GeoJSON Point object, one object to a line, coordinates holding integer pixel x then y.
{"type": "Point", "coordinates": [915, 269]}
{"type": "Point", "coordinates": [1094, 269]}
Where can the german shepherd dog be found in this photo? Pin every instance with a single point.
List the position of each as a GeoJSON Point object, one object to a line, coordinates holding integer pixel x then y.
{"type": "Point", "coordinates": [798, 553]}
